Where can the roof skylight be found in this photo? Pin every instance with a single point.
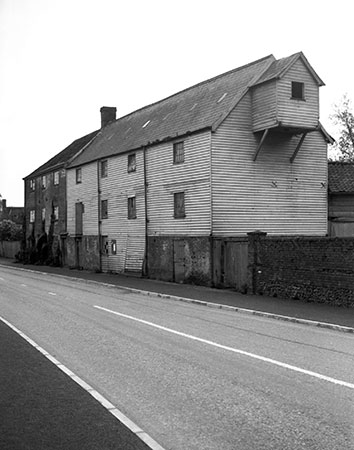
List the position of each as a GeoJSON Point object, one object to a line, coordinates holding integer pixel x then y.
{"type": "Point", "coordinates": [222, 97]}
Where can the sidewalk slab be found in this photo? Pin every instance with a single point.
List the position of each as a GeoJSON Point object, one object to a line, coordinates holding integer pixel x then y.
{"type": "Point", "coordinates": [316, 312]}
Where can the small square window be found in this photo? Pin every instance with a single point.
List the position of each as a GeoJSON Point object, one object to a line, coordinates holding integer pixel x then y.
{"type": "Point", "coordinates": [104, 169]}
{"type": "Point", "coordinates": [131, 163]}
{"type": "Point", "coordinates": [104, 209]}
{"type": "Point", "coordinates": [178, 152]}
{"type": "Point", "coordinates": [44, 181]}
{"type": "Point", "coordinates": [131, 208]}
{"type": "Point", "coordinates": [179, 205]}
{"type": "Point", "coordinates": [78, 175]}
{"type": "Point", "coordinates": [297, 90]}
{"type": "Point", "coordinates": [32, 215]}
{"type": "Point", "coordinates": [56, 178]}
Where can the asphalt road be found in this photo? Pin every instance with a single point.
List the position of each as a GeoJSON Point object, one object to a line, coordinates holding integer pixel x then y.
{"type": "Point", "coordinates": [193, 378]}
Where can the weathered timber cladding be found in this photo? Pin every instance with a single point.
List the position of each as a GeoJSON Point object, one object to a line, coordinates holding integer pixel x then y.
{"type": "Point", "coordinates": [129, 234]}
{"type": "Point", "coordinates": [264, 105]}
{"type": "Point", "coordinates": [298, 113]}
{"type": "Point", "coordinates": [83, 252]}
{"type": "Point", "coordinates": [269, 194]}
{"type": "Point", "coordinates": [86, 193]}
{"type": "Point", "coordinates": [317, 269]}
{"type": "Point", "coordinates": [191, 177]}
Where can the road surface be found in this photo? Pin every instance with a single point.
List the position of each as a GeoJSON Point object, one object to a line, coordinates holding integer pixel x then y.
{"type": "Point", "coordinates": [192, 377]}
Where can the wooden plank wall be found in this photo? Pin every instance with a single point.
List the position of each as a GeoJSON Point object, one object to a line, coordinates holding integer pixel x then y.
{"type": "Point", "coordinates": [269, 194]}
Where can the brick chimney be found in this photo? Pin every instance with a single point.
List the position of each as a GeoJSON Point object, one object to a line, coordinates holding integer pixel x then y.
{"type": "Point", "coordinates": [108, 115]}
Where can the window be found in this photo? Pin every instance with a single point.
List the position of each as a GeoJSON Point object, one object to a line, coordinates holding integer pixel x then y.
{"type": "Point", "coordinates": [32, 215]}
{"type": "Point", "coordinates": [56, 178]}
{"type": "Point", "coordinates": [104, 168]}
{"type": "Point", "coordinates": [178, 152]}
{"type": "Point", "coordinates": [131, 163]}
{"type": "Point", "coordinates": [43, 214]}
{"type": "Point", "coordinates": [104, 209]}
{"type": "Point", "coordinates": [44, 181]}
{"type": "Point", "coordinates": [113, 246]}
{"type": "Point", "coordinates": [179, 207]}
{"type": "Point", "coordinates": [78, 175]}
{"type": "Point", "coordinates": [56, 212]}
{"type": "Point", "coordinates": [131, 208]}
{"type": "Point", "coordinates": [32, 184]}
{"type": "Point", "coordinates": [297, 90]}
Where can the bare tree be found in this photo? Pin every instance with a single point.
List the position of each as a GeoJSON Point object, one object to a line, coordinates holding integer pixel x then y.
{"type": "Point", "coordinates": [343, 118]}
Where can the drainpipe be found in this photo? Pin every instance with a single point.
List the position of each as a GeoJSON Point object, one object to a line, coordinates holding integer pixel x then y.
{"type": "Point", "coordinates": [99, 217]}
{"type": "Point", "coordinates": [145, 265]}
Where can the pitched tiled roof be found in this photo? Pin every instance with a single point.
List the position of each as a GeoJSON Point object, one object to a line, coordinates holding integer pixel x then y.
{"type": "Point", "coordinates": [340, 177]}
{"type": "Point", "coordinates": [64, 156]}
{"type": "Point", "coordinates": [279, 67]}
{"type": "Point", "coordinates": [202, 106]}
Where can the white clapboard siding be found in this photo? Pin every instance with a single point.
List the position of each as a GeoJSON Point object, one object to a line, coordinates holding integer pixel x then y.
{"type": "Point", "coordinates": [269, 194]}
{"type": "Point", "coordinates": [85, 192]}
{"type": "Point", "coordinates": [264, 106]}
{"type": "Point", "coordinates": [301, 113]}
{"type": "Point", "coordinates": [191, 177]}
{"type": "Point", "coordinates": [129, 234]}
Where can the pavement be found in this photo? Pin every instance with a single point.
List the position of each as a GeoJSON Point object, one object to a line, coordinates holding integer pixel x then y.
{"type": "Point", "coordinates": [42, 408]}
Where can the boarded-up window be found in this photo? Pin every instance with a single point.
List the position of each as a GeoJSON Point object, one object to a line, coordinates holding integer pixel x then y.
{"type": "Point", "coordinates": [131, 163]}
{"type": "Point", "coordinates": [179, 205]}
{"type": "Point", "coordinates": [178, 152]}
{"type": "Point", "coordinates": [104, 209]}
{"type": "Point", "coordinates": [78, 175]}
{"type": "Point", "coordinates": [297, 90]}
{"type": "Point", "coordinates": [104, 168]}
{"type": "Point", "coordinates": [131, 208]}
{"type": "Point", "coordinates": [79, 210]}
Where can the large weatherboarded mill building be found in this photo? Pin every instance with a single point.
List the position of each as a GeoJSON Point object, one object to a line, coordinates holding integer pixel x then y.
{"type": "Point", "coordinates": [158, 190]}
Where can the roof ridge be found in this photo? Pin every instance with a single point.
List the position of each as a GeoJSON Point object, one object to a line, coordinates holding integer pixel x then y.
{"type": "Point", "coordinates": [195, 85]}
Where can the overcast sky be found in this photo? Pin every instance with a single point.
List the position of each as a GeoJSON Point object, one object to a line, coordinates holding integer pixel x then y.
{"type": "Point", "coordinates": [61, 60]}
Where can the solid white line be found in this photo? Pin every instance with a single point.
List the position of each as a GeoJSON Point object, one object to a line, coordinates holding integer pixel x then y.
{"type": "Point", "coordinates": [234, 350]}
{"type": "Point", "coordinates": [149, 441]}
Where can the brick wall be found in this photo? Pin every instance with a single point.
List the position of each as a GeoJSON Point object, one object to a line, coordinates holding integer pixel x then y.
{"type": "Point", "coordinates": [316, 269]}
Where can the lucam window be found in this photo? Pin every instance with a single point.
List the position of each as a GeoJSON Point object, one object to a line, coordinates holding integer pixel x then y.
{"type": "Point", "coordinates": [297, 90]}
{"type": "Point", "coordinates": [56, 177]}
{"type": "Point", "coordinates": [179, 205]}
{"type": "Point", "coordinates": [131, 163]}
{"type": "Point", "coordinates": [32, 215]}
{"type": "Point", "coordinates": [104, 209]}
{"type": "Point", "coordinates": [78, 175]}
{"type": "Point", "coordinates": [178, 152]}
{"type": "Point", "coordinates": [104, 168]}
{"type": "Point", "coordinates": [131, 208]}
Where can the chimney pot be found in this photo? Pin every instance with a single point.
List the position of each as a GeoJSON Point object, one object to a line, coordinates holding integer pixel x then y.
{"type": "Point", "coordinates": [108, 115]}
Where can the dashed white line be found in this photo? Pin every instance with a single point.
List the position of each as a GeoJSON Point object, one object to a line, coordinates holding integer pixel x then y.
{"type": "Point", "coordinates": [234, 350]}
{"type": "Point", "coordinates": [149, 441]}
{"type": "Point", "coordinates": [52, 293]}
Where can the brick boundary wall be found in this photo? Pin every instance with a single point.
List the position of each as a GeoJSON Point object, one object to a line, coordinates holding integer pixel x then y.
{"type": "Point", "coordinates": [315, 269]}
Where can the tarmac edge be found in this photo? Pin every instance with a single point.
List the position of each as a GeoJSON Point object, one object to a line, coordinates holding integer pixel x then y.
{"type": "Point", "coordinates": [253, 312]}
{"type": "Point", "coordinates": [134, 428]}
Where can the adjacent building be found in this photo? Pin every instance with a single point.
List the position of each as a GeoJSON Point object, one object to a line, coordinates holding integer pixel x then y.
{"type": "Point", "coordinates": [341, 199]}
{"type": "Point", "coordinates": [154, 190]}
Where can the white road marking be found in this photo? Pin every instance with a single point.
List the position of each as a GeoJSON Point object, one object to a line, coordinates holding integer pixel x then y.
{"type": "Point", "coordinates": [52, 293]}
{"type": "Point", "coordinates": [24, 285]}
{"type": "Point", "coordinates": [2, 279]}
{"type": "Point", "coordinates": [149, 441]}
{"type": "Point", "coordinates": [234, 350]}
